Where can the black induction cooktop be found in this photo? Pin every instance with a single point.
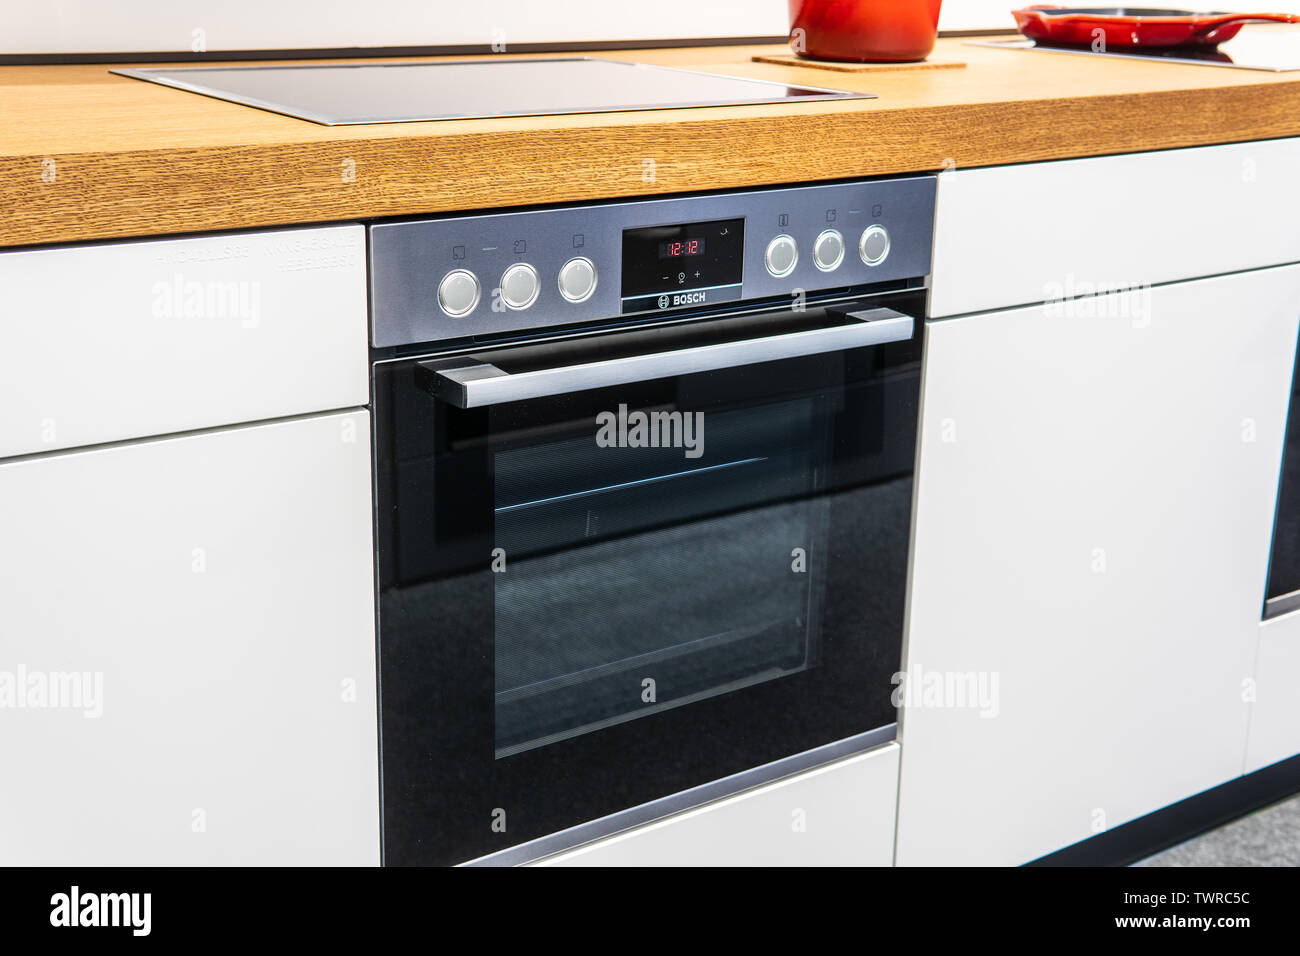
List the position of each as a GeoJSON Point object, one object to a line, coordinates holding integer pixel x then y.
{"type": "Point", "coordinates": [350, 93]}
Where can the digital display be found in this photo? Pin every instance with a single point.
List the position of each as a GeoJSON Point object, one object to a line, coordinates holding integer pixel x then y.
{"type": "Point", "coordinates": [682, 264]}
{"type": "Point", "coordinates": [676, 248]}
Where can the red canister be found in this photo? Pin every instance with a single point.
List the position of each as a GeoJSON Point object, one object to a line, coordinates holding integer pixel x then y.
{"type": "Point", "coordinates": [864, 31]}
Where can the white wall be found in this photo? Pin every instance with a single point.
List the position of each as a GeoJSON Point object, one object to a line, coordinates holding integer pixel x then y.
{"type": "Point", "coordinates": [60, 26]}
{"type": "Point", "coordinates": [158, 25]}
{"type": "Point", "coordinates": [980, 14]}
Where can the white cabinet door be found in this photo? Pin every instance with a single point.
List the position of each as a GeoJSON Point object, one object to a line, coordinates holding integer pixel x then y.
{"type": "Point", "coordinates": [838, 815]}
{"type": "Point", "coordinates": [121, 340]}
{"type": "Point", "coordinates": [1275, 712]}
{"type": "Point", "coordinates": [1094, 511]}
{"type": "Point", "coordinates": [187, 650]}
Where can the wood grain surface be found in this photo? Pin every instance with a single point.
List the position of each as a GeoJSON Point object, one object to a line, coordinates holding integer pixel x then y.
{"type": "Point", "coordinates": [85, 154]}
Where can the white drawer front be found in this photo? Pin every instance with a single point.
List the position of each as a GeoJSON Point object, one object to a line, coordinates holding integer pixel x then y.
{"type": "Point", "coordinates": [1017, 235]}
{"type": "Point", "coordinates": [125, 340]}
{"type": "Point", "coordinates": [187, 651]}
{"type": "Point", "coordinates": [838, 815]}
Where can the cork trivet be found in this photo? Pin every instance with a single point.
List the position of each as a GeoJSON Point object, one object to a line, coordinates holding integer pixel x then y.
{"type": "Point", "coordinates": [789, 59]}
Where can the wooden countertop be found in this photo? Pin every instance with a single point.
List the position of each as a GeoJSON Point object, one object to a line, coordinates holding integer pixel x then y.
{"type": "Point", "coordinates": [130, 158]}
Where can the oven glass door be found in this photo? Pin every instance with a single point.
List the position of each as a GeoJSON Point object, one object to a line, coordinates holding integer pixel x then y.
{"type": "Point", "coordinates": [655, 565]}
{"type": "Point", "coordinates": [594, 599]}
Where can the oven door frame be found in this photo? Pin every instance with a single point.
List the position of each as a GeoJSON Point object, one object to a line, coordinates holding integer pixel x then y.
{"type": "Point", "coordinates": [446, 797]}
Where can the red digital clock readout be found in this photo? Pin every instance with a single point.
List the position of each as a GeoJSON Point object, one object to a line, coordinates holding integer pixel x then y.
{"type": "Point", "coordinates": [677, 248]}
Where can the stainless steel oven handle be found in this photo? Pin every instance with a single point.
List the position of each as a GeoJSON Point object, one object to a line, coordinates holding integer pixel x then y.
{"type": "Point", "coordinates": [478, 384]}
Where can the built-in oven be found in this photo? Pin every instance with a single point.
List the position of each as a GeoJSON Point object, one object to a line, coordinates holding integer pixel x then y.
{"type": "Point", "coordinates": [643, 522]}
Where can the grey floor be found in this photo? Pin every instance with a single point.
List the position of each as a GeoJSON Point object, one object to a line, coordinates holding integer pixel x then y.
{"type": "Point", "coordinates": [1268, 837]}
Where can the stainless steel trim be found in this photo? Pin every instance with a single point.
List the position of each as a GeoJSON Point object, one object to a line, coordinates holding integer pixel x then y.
{"type": "Point", "coordinates": [476, 385]}
{"type": "Point", "coordinates": [631, 303]}
{"type": "Point", "coordinates": [607, 826]}
{"type": "Point", "coordinates": [731, 310]}
{"type": "Point", "coordinates": [1282, 604]}
{"type": "Point", "coordinates": [401, 295]}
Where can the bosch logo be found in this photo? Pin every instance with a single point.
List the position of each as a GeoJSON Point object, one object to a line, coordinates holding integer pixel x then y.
{"type": "Point", "coordinates": [683, 298]}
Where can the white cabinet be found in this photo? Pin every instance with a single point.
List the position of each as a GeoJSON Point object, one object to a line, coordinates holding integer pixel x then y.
{"type": "Point", "coordinates": [1094, 509]}
{"type": "Point", "coordinates": [1275, 713]}
{"type": "Point", "coordinates": [1014, 235]}
{"type": "Point", "coordinates": [841, 814]}
{"type": "Point", "coordinates": [187, 650]}
{"type": "Point", "coordinates": [105, 342]}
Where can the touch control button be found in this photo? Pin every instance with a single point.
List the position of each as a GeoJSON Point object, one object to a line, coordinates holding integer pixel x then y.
{"type": "Point", "coordinates": [519, 286]}
{"type": "Point", "coordinates": [578, 279]}
{"type": "Point", "coordinates": [874, 245]}
{"type": "Point", "coordinates": [458, 293]}
{"type": "Point", "coordinates": [781, 256]}
{"type": "Point", "coordinates": [828, 250]}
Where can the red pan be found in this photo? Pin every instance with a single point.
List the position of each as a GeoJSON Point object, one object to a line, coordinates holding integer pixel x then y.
{"type": "Point", "coordinates": [1131, 27]}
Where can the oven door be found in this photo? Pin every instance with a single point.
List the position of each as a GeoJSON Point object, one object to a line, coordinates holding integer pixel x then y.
{"type": "Point", "coordinates": [617, 568]}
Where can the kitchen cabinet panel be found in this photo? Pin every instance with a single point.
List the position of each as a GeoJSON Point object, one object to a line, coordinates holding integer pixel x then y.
{"type": "Point", "coordinates": [187, 650]}
{"type": "Point", "coordinates": [100, 343]}
{"type": "Point", "coordinates": [1275, 713]}
{"type": "Point", "coordinates": [1033, 232]}
{"type": "Point", "coordinates": [841, 814]}
{"type": "Point", "coordinates": [1094, 510]}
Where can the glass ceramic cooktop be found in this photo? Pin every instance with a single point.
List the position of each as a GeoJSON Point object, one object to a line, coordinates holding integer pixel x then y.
{"type": "Point", "coordinates": [344, 94]}
{"type": "Point", "coordinates": [1272, 49]}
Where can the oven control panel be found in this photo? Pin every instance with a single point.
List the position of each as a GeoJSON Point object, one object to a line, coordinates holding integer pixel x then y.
{"type": "Point", "coordinates": [489, 274]}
